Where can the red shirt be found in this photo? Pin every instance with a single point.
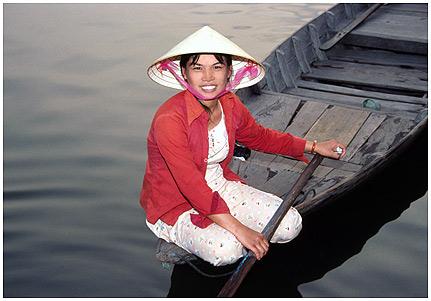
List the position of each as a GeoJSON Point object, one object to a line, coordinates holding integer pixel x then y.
{"type": "Point", "coordinates": [177, 144]}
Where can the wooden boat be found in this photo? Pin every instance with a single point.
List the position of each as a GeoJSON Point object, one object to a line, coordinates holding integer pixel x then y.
{"type": "Point", "coordinates": [368, 91]}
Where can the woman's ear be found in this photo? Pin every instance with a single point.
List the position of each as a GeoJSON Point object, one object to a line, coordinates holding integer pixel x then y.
{"type": "Point", "coordinates": [183, 71]}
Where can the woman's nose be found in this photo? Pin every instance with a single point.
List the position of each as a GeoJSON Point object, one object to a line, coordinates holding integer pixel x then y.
{"type": "Point", "coordinates": [208, 75]}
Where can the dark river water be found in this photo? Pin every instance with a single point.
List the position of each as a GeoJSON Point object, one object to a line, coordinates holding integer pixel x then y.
{"type": "Point", "coordinates": [76, 112]}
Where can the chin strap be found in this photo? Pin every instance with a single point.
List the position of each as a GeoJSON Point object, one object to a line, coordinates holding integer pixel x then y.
{"type": "Point", "coordinates": [249, 69]}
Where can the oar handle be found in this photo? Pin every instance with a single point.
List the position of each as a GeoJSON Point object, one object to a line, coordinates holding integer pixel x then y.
{"type": "Point", "coordinates": [285, 206]}
{"type": "Point", "coordinates": [244, 267]}
{"type": "Point", "coordinates": [335, 39]}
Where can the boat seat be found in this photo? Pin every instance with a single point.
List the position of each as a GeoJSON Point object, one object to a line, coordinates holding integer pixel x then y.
{"type": "Point", "coordinates": [170, 254]}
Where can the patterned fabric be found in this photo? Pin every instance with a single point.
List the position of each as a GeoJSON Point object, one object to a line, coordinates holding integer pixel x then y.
{"type": "Point", "coordinates": [252, 207]}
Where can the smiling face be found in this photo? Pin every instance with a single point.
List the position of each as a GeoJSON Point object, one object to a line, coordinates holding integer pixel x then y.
{"type": "Point", "coordinates": [207, 75]}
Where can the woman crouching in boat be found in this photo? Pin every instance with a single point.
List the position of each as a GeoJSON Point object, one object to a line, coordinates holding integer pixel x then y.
{"type": "Point", "coordinates": [189, 194]}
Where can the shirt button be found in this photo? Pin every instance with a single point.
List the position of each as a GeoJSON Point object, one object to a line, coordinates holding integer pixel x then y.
{"type": "Point", "coordinates": [205, 160]}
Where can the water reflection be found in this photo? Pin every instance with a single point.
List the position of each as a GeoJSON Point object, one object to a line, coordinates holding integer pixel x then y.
{"type": "Point", "coordinates": [77, 108]}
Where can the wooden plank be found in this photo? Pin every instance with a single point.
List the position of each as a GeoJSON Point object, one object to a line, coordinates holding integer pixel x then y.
{"type": "Point", "coordinates": [381, 57]}
{"type": "Point", "coordinates": [289, 60]}
{"type": "Point", "coordinates": [269, 77]}
{"type": "Point", "coordinates": [302, 122]}
{"type": "Point", "coordinates": [262, 158]}
{"type": "Point", "coordinates": [367, 129]}
{"type": "Point", "coordinates": [299, 53]}
{"type": "Point", "coordinates": [337, 123]}
{"type": "Point", "coordinates": [391, 131]}
{"type": "Point", "coordinates": [280, 183]}
{"type": "Point", "coordinates": [372, 68]}
{"type": "Point", "coordinates": [387, 43]}
{"type": "Point", "coordinates": [257, 103]}
{"type": "Point", "coordinates": [396, 27]}
{"type": "Point", "coordinates": [322, 184]}
{"type": "Point", "coordinates": [283, 163]}
{"type": "Point", "coordinates": [385, 30]}
{"type": "Point", "coordinates": [306, 117]}
{"type": "Point", "coordinates": [284, 180]}
{"type": "Point", "coordinates": [338, 164]}
{"type": "Point", "coordinates": [340, 174]}
{"type": "Point", "coordinates": [360, 79]}
{"type": "Point", "coordinates": [343, 32]}
{"type": "Point", "coordinates": [253, 174]}
{"type": "Point", "coordinates": [360, 93]}
{"type": "Point", "coordinates": [278, 115]}
{"type": "Point", "coordinates": [410, 8]}
{"type": "Point", "coordinates": [386, 107]}
{"type": "Point", "coordinates": [315, 41]}
{"type": "Point", "coordinates": [302, 40]}
{"type": "Point", "coordinates": [235, 164]}
{"type": "Point", "coordinates": [166, 251]}
{"type": "Point", "coordinates": [285, 72]}
{"type": "Point", "coordinates": [319, 184]}
{"type": "Point", "coordinates": [332, 178]}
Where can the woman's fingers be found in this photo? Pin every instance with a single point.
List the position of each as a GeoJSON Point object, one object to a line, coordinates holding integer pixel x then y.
{"type": "Point", "coordinates": [255, 242]}
{"type": "Point", "coordinates": [262, 247]}
{"type": "Point", "coordinates": [331, 148]}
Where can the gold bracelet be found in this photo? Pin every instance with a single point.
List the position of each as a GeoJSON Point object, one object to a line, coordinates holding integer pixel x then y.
{"type": "Point", "coordinates": [313, 147]}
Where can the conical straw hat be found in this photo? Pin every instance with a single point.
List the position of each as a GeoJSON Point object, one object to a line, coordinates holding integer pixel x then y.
{"type": "Point", "coordinates": [205, 40]}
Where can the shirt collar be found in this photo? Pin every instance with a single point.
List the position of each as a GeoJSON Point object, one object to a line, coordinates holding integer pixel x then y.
{"type": "Point", "coordinates": [194, 108]}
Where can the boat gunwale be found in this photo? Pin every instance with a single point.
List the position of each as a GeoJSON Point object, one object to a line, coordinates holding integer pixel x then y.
{"type": "Point", "coordinates": [350, 12]}
{"type": "Point", "coordinates": [361, 177]}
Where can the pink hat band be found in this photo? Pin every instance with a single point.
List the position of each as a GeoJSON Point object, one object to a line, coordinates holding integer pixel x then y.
{"type": "Point", "coordinates": [249, 70]}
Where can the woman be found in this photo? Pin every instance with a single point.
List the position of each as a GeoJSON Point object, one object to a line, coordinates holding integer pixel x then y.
{"type": "Point", "coordinates": [190, 195]}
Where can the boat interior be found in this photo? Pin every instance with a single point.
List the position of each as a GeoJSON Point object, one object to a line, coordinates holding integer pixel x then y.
{"type": "Point", "coordinates": [369, 91]}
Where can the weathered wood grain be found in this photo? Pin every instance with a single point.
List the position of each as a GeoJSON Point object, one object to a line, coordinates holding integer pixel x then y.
{"type": "Point", "coordinates": [360, 93]}
{"type": "Point", "coordinates": [253, 174]}
{"type": "Point", "coordinates": [337, 123]}
{"type": "Point", "coordinates": [367, 129]}
{"type": "Point", "coordinates": [303, 121]}
{"type": "Point", "coordinates": [278, 115]}
{"type": "Point", "coordinates": [368, 80]}
{"type": "Point", "coordinates": [395, 109]}
{"type": "Point", "coordinates": [385, 30]}
{"type": "Point", "coordinates": [306, 117]}
{"type": "Point", "coordinates": [391, 131]}
{"type": "Point", "coordinates": [381, 57]}
{"type": "Point", "coordinates": [372, 69]}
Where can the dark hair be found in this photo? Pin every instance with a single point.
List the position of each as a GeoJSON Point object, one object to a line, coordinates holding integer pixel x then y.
{"type": "Point", "coordinates": [224, 59]}
{"type": "Point", "coordinates": [221, 58]}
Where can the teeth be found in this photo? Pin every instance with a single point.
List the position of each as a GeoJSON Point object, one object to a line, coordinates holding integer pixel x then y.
{"type": "Point", "coordinates": [208, 87]}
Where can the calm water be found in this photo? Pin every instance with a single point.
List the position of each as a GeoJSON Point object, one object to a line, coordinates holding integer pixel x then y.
{"type": "Point", "coordinates": [77, 109]}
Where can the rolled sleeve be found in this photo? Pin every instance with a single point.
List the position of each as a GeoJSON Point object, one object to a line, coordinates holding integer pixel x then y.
{"type": "Point", "coordinates": [218, 206]}
{"type": "Point", "coordinates": [267, 140]}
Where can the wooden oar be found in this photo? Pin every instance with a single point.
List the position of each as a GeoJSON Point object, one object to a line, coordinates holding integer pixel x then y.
{"type": "Point", "coordinates": [238, 276]}
{"type": "Point", "coordinates": [335, 39]}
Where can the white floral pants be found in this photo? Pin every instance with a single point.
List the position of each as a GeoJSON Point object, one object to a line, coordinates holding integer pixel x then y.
{"type": "Point", "coordinates": [252, 207]}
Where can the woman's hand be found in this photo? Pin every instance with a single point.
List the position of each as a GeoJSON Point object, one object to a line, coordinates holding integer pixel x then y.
{"type": "Point", "coordinates": [252, 240]}
{"type": "Point", "coordinates": [326, 148]}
